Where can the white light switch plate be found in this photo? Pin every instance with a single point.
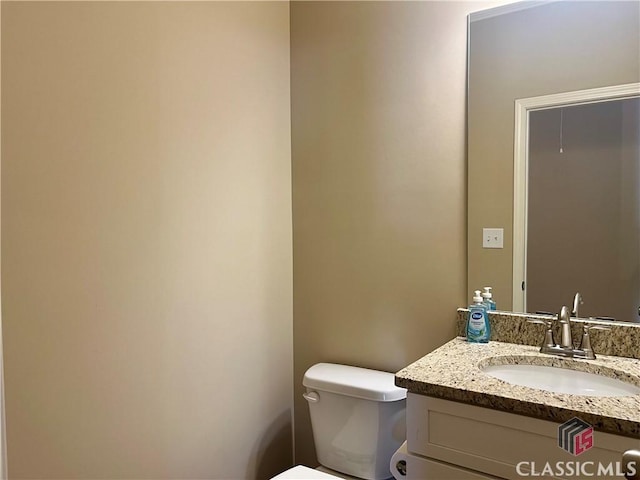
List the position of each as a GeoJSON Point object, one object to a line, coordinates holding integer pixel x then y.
{"type": "Point", "coordinates": [492, 238]}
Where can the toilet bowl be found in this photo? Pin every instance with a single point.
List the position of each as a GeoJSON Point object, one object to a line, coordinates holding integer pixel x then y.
{"type": "Point", "coordinates": [358, 422]}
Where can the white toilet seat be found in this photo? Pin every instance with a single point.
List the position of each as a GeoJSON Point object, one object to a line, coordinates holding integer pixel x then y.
{"type": "Point", "coordinates": [300, 472]}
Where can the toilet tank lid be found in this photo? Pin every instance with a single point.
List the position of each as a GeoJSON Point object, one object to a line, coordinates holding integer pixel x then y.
{"type": "Point", "coordinates": [354, 382]}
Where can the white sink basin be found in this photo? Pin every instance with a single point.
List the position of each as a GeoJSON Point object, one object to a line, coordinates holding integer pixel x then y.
{"type": "Point", "coordinates": [561, 380]}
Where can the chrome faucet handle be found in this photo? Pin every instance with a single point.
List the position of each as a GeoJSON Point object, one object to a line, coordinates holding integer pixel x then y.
{"type": "Point", "coordinates": [548, 340]}
{"type": "Point", "coordinates": [630, 462]}
{"type": "Point", "coordinates": [548, 323]}
{"type": "Point", "coordinates": [586, 327]}
{"type": "Point", "coordinates": [564, 319]}
{"type": "Point", "coordinates": [577, 301]}
{"type": "Point", "coordinates": [585, 343]}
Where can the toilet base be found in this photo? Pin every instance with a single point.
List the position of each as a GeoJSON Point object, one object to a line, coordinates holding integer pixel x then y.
{"type": "Point", "coordinates": [340, 475]}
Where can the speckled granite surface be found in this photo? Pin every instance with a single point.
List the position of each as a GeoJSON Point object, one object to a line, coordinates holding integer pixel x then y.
{"type": "Point", "coordinates": [622, 340]}
{"type": "Point", "coordinates": [452, 372]}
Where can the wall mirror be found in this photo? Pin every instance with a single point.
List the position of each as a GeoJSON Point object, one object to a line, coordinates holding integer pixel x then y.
{"type": "Point", "coordinates": [575, 63]}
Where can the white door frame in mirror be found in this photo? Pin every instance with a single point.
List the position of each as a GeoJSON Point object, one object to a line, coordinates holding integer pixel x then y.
{"type": "Point", "coordinates": [521, 167]}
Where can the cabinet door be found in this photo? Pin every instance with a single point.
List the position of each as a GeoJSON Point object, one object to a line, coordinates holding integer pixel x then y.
{"type": "Point", "coordinates": [503, 444]}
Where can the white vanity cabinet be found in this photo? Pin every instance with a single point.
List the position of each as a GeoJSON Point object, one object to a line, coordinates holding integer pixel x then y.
{"type": "Point", "coordinates": [451, 440]}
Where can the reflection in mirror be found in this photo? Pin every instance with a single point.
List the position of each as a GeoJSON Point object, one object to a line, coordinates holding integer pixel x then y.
{"type": "Point", "coordinates": [535, 50]}
{"type": "Point", "coordinates": [583, 209]}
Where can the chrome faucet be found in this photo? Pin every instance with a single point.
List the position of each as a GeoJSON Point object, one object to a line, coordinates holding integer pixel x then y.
{"type": "Point", "coordinates": [577, 301]}
{"type": "Point", "coordinates": [566, 347]}
{"type": "Point", "coordinates": [564, 319]}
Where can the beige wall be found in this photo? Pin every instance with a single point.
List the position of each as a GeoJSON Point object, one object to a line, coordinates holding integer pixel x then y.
{"type": "Point", "coordinates": [557, 47]}
{"type": "Point", "coordinates": [146, 239]}
{"type": "Point", "coordinates": [378, 115]}
{"type": "Point", "coordinates": [3, 429]}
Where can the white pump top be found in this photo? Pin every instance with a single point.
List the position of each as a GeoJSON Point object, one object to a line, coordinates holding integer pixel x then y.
{"type": "Point", "coordinates": [477, 298]}
{"type": "Point", "coordinates": [487, 292]}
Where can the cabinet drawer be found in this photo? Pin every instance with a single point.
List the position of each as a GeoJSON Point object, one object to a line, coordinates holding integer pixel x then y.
{"type": "Point", "coordinates": [496, 442]}
{"type": "Point", "coordinates": [420, 468]}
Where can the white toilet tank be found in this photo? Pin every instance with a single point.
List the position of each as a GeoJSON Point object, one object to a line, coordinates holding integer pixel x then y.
{"type": "Point", "coordinates": [358, 418]}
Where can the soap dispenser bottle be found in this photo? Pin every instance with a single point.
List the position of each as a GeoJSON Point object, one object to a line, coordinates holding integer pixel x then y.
{"type": "Point", "coordinates": [478, 326]}
{"type": "Point", "coordinates": [487, 299]}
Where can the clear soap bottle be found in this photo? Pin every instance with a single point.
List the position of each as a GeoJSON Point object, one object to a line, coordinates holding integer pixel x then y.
{"type": "Point", "coordinates": [478, 326]}
{"type": "Point", "coordinates": [487, 299]}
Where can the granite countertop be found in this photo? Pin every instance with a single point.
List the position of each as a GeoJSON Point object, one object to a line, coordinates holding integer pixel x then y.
{"type": "Point", "coordinates": [452, 372]}
{"type": "Point", "coordinates": [621, 339]}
